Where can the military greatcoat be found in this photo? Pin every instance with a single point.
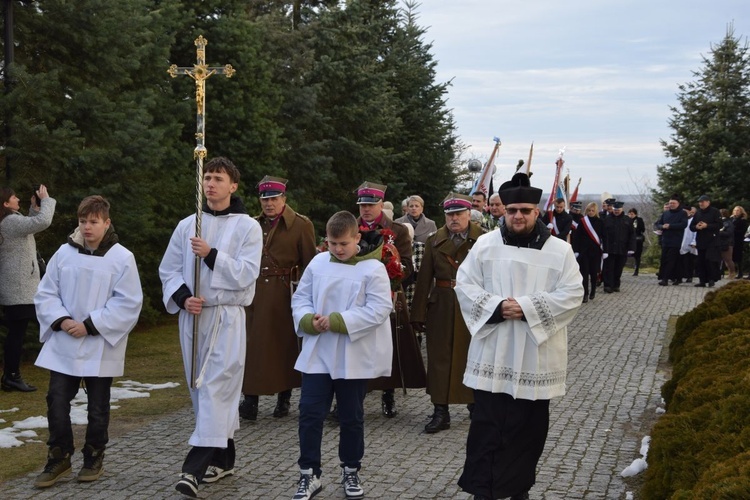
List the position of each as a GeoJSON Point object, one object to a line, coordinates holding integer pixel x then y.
{"type": "Point", "coordinates": [435, 304]}
{"type": "Point", "coordinates": [272, 342]}
{"type": "Point", "coordinates": [407, 366]}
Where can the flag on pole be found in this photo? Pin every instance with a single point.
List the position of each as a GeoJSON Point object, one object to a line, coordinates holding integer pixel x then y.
{"type": "Point", "coordinates": [574, 196]}
{"type": "Point", "coordinates": [484, 181]}
{"type": "Point", "coordinates": [557, 191]}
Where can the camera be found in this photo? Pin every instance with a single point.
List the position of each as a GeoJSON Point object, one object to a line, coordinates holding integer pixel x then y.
{"type": "Point", "coordinates": [37, 202]}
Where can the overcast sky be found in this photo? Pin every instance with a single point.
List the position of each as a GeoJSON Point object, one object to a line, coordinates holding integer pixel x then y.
{"type": "Point", "coordinates": [594, 76]}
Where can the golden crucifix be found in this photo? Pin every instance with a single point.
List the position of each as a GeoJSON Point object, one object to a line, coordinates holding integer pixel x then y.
{"type": "Point", "coordinates": [200, 72]}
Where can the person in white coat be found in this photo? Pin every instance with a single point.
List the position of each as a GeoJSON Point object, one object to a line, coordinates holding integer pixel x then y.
{"type": "Point", "coordinates": [342, 309]}
{"type": "Point", "coordinates": [518, 289]}
{"type": "Point", "coordinates": [87, 304]}
{"type": "Point", "coordinates": [230, 250]}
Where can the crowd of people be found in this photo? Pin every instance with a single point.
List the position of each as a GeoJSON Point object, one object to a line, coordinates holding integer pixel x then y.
{"type": "Point", "coordinates": [263, 310]}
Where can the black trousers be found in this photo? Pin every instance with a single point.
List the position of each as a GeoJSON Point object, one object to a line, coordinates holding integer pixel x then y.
{"type": "Point", "coordinates": [62, 389]}
{"type": "Point", "coordinates": [669, 268]}
{"type": "Point", "coordinates": [200, 457]}
{"type": "Point", "coordinates": [706, 268]}
{"type": "Point", "coordinates": [506, 440]}
{"type": "Point", "coordinates": [17, 320]}
{"type": "Point", "coordinates": [613, 266]}
{"type": "Point", "coordinates": [589, 265]}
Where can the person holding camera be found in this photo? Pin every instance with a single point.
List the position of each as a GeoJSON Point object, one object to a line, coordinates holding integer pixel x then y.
{"type": "Point", "coordinates": [20, 274]}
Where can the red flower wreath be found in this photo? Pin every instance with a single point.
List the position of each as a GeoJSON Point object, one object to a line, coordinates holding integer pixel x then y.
{"type": "Point", "coordinates": [391, 259]}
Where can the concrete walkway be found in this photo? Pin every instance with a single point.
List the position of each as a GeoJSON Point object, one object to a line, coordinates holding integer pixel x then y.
{"type": "Point", "coordinates": [595, 430]}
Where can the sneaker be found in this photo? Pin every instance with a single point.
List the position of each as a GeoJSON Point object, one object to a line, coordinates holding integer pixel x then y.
{"type": "Point", "coordinates": [92, 464]}
{"type": "Point", "coordinates": [214, 473]}
{"type": "Point", "coordinates": [350, 480]}
{"type": "Point", "coordinates": [58, 465]}
{"type": "Point", "coordinates": [309, 485]}
{"type": "Point", "coordinates": [187, 485]}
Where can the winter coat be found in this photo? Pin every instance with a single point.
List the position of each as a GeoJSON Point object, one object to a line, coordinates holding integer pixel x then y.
{"type": "Point", "coordinates": [272, 342]}
{"type": "Point", "coordinates": [19, 268]}
{"type": "Point", "coordinates": [435, 305]}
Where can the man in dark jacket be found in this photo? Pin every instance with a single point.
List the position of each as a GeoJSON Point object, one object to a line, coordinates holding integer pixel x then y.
{"type": "Point", "coordinates": [619, 242]}
{"type": "Point", "coordinates": [560, 221]}
{"type": "Point", "coordinates": [672, 224]}
{"type": "Point", "coordinates": [706, 224]}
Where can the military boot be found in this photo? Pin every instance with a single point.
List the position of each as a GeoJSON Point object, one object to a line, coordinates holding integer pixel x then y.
{"type": "Point", "coordinates": [282, 404]}
{"type": "Point", "coordinates": [441, 420]}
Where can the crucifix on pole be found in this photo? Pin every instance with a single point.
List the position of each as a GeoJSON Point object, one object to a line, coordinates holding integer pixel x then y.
{"type": "Point", "coordinates": [199, 72]}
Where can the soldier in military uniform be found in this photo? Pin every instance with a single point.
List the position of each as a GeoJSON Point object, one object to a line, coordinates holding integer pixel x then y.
{"type": "Point", "coordinates": [272, 348]}
{"type": "Point", "coordinates": [408, 367]}
{"type": "Point", "coordinates": [436, 311]}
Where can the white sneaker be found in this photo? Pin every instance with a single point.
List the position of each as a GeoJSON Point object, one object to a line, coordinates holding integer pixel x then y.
{"type": "Point", "coordinates": [214, 473]}
{"type": "Point", "coordinates": [350, 480]}
{"type": "Point", "coordinates": [309, 485]}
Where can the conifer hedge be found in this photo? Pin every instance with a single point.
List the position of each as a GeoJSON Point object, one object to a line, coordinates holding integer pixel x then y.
{"type": "Point", "coordinates": [701, 447]}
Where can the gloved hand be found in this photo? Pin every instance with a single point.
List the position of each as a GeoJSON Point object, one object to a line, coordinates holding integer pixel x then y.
{"type": "Point", "coordinates": [605, 255]}
{"type": "Point", "coordinates": [550, 226]}
{"type": "Point", "coordinates": [576, 254]}
{"type": "Point", "coordinates": [418, 326]}
{"type": "Point", "coordinates": [631, 252]}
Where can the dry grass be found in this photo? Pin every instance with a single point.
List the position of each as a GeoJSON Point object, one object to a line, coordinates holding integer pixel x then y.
{"type": "Point", "coordinates": [153, 357]}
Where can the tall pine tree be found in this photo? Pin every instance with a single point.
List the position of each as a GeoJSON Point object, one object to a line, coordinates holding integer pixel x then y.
{"type": "Point", "coordinates": [709, 151]}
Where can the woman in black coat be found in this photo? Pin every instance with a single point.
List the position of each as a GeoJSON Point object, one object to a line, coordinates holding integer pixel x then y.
{"type": "Point", "coordinates": [739, 217]}
{"type": "Point", "coordinates": [587, 242]}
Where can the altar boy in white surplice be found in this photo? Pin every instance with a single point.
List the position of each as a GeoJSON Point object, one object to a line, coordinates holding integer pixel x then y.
{"type": "Point", "coordinates": [342, 309]}
{"type": "Point", "coordinates": [230, 249]}
{"type": "Point", "coordinates": [87, 304]}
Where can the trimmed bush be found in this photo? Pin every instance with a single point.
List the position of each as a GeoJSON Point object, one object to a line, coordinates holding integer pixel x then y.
{"type": "Point", "coordinates": [701, 447]}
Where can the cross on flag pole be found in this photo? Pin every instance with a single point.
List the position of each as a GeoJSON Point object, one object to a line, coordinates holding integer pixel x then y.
{"type": "Point", "coordinates": [199, 72]}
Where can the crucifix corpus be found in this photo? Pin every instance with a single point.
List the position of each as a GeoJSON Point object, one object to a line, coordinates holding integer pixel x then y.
{"type": "Point", "coordinates": [200, 72]}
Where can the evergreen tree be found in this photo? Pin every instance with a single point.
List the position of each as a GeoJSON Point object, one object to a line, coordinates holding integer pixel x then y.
{"type": "Point", "coordinates": [709, 150]}
{"type": "Point", "coordinates": [89, 116]}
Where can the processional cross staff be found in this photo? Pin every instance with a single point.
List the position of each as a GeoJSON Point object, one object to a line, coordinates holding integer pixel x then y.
{"type": "Point", "coordinates": [200, 72]}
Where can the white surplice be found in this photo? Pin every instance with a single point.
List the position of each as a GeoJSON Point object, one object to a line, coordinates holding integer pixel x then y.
{"type": "Point", "coordinates": [106, 289]}
{"type": "Point", "coordinates": [526, 359]}
{"type": "Point", "coordinates": [227, 289]}
{"type": "Point", "coordinates": [361, 293]}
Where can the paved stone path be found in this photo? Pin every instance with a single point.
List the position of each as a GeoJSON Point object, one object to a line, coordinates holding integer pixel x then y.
{"type": "Point", "coordinates": [595, 430]}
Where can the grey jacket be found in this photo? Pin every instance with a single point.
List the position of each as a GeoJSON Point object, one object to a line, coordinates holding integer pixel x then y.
{"type": "Point", "coordinates": [423, 228]}
{"type": "Point", "coordinates": [19, 271]}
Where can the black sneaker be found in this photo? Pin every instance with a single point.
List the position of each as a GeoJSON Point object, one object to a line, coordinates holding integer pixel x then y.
{"type": "Point", "coordinates": [58, 465]}
{"type": "Point", "coordinates": [187, 485]}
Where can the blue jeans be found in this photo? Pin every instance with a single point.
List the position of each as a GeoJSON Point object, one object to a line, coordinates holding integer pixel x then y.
{"type": "Point", "coordinates": [62, 389]}
{"type": "Point", "coordinates": [317, 394]}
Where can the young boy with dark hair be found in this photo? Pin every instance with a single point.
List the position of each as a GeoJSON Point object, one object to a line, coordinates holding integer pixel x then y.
{"type": "Point", "coordinates": [342, 308]}
{"type": "Point", "coordinates": [87, 304]}
{"type": "Point", "coordinates": [230, 251]}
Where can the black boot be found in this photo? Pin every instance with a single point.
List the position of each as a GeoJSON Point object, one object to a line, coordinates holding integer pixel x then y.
{"type": "Point", "coordinates": [14, 382]}
{"type": "Point", "coordinates": [282, 404]}
{"type": "Point", "coordinates": [388, 403]}
{"type": "Point", "coordinates": [522, 496]}
{"type": "Point", "coordinates": [249, 408]}
{"type": "Point", "coordinates": [441, 420]}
